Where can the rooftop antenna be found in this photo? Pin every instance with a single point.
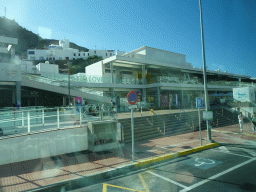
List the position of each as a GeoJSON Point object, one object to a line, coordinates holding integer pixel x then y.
{"type": "Point", "coordinates": [5, 11]}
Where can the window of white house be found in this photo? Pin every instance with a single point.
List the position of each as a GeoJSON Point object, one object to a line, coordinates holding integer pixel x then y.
{"type": "Point", "coordinates": [31, 52]}
{"type": "Point", "coordinates": [78, 54]}
{"type": "Point", "coordinates": [106, 54]}
{"type": "Point", "coordinates": [110, 54]}
{"type": "Point", "coordinates": [108, 71]}
{"type": "Point", "coordinates": [126, 72]}
{"type": "Point", "coordinates": [74, 54]}
{"type": "Point", "coordinates": [94, 52]}
{"type": "Point", "coordinates": [88, 54]}
{"type": "Point", "coordinates": [84, 54]}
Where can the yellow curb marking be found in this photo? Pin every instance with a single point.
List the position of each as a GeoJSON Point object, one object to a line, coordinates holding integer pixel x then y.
{"type": "Point", "coordinates": [105, 185]}
{"type": "Point", "coordinates": [143, 183]}
{"type": "Point", "coordinates": [172, 155]}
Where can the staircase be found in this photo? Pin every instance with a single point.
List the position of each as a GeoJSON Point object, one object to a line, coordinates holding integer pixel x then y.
{"type": "Point", "coordinates": [151, 127]}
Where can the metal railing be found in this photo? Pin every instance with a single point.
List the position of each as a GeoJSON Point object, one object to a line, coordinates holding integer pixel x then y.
{"type": "Point", "coordinates": [151, 111]}
{"type": "Point", "coordinates": [25, 120]}
{"type": "Point", "coordinates": [187, 114]}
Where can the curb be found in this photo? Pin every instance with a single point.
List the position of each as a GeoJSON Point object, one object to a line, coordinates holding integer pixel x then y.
{"type": "Point", "coordinates": [88, 180]}
{"type": "Point", "coordinates": [146, 163]}
{"type": "Point", "coordinates": [235, 133]}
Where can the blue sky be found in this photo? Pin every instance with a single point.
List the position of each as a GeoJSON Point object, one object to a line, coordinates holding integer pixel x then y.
{"type": "Point", "coordinates": [229, 27]}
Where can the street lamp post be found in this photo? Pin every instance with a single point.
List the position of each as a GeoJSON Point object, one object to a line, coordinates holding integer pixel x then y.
{"type": "Point", "coordinates": [204, 71]}
{"type": "Point", "coordinates": [68, 64]}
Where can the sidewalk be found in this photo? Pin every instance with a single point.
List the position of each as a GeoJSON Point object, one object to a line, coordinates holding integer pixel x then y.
{"type": "Point", "coordinates": [41, 172]}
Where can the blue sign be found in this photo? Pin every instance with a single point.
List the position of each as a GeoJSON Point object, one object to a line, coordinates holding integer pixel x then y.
{"type": "Point", "coordinates": [199, 102]}
{"type": "Point", "coordinates": [132, 97]}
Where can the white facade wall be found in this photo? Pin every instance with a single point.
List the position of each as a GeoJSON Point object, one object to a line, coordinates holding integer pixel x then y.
{"type": "Point", "coordinates": [10, 72]}
{"type": "Point", "coordinates": [61, 54]}
{"type": "Point", "coordinates": [47, 68]}
{"type": "Point", "coordinates": [120, 52]}
{"type": "Point", "coordinates": [44, 144]}
{"type": "Point", "coordinates": [27, 66]}
{"type": "Point", "coordinates": [94, 69]}
{"type": "Point", "coordinates": [165, 56]}
{"type": "Point", "coordinates": [64, 43]}
{"type": "Point", "coordinates": [103, 53]}
{"type": "Point", "coordinates": [37, 54]}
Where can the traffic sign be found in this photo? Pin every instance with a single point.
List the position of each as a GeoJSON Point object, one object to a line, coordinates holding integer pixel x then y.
{"type": "Point", "coordinates": [207, 115]}
{"type": "Point", "coordinates": [199, 102]}
{"type": "Point", "coordinates": [133, 106]}
{"type": "Point", "coordinates": [132, 97]}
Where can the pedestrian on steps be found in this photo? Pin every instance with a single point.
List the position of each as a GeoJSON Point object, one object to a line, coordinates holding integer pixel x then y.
{"type": "Point", "coordinates": [241, 121]}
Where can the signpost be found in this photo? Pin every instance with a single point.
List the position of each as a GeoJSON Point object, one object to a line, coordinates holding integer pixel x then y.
{"type": "Point", "coordinates": [199, 104]}
{"type": "Point", "coordinates": [208, 115]}
{"type": "Point", "coordinates": [132, 99]}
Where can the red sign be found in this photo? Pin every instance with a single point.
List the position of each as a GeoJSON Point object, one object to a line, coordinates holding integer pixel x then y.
{"type": "Point", "coordinates": [132, 97]}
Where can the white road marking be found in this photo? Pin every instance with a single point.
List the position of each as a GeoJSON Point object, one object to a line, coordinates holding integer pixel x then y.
{"type": "Point", "coordinates": [228, 152]}
{"type": "Point", "coordinates": [169, 180]}
{"type": "Point", "coordinates": [218, 175]}
{"type": "Point", "coordinates": [252, 153]}
{"type": "Point", "coordinates": [202, 161]}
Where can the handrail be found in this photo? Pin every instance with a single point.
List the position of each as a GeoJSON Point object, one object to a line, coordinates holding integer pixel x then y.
{"type": "Point", "coordinates": [181, 109]}
{"type": "Point", "coordinates": [154, 113]}
{"type": "Point", "coordinates": [232, 110]}
{"type": "Point", "coordinates": [158, 117]}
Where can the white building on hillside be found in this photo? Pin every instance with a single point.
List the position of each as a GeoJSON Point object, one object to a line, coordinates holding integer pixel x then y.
{"type": "Point", "coordinates": [63, 51]}
{"type": "Point", "coordinates": [47, 68]}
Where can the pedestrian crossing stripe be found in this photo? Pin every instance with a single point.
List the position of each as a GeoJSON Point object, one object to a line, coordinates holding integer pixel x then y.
{"type": "Point", "coordinates": [105, 185]}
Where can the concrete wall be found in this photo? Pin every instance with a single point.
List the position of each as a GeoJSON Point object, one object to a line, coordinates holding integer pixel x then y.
{"type": "Point", "coordinates": [94, 69]}
{"type": "Point", "coordinates": [10, 72]}
{"type": "Point", "coordinates": [8, 40]}
{"type": "Point", "coordinates": [47, 68]}
{"type": "Point", "coordinates": [165, 56]}
{"type": "Point", "coordinates": [41, 145]}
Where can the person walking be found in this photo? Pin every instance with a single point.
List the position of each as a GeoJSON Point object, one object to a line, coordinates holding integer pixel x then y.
{"type": "Point", "coordinates": [254, 122]}
{"type": "Point", "coordinates": [241, 121]}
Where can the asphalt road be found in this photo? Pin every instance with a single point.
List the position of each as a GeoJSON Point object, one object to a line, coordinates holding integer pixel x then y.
{"type": "Point", "coordinates": [227, 168]}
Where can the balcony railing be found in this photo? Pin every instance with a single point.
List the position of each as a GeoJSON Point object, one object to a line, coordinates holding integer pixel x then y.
{"type": "Point", "coordinates": [138, 81]}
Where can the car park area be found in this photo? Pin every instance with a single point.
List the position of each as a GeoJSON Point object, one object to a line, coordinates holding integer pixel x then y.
{"type": "Point", "coordinates": [228, 167]}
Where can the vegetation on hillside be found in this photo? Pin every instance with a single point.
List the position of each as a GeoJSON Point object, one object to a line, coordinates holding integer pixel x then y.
{"type": "Point", "coordinates": [27, 39]}
{"type": "Point", "coordinates": [78, 65]}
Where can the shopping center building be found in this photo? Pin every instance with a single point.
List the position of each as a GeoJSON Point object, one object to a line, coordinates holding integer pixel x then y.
{"type": "Point", "coordinates": [161, 77]}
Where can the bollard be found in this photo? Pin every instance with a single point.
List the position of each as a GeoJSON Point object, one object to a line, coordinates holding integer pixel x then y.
{"type": "Point", "coordinates": [43, 117]}
{"type": "Point", "coordinates": [28, 121]}
{"type": "Point", "coordinates": [164, 128]}
{"type": "Point", "coordinates": [80, 116]}
{"type": "Point", "coordinates": [22, 119]}
{"type": "Point", "coordinates": [58, 117]}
